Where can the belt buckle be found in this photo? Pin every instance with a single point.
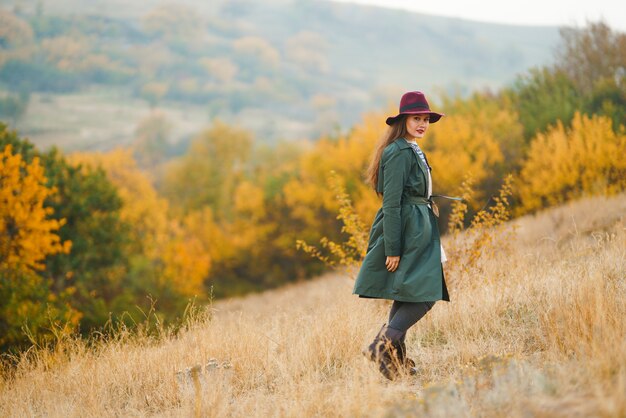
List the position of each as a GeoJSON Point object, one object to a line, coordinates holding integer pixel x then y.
{"type": "Point", "coordinates": [434, 207]}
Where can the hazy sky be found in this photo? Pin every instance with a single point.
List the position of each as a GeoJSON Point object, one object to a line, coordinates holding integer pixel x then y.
{"type": "Point", "coordinates": [529, 12]}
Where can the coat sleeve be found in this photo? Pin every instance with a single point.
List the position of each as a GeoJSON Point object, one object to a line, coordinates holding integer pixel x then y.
{"type": "Point", "coordinates": [396, 168]}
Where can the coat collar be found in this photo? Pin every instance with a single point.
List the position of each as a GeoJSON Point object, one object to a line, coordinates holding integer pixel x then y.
{"type": "Point", "coordinates": [402, 144]}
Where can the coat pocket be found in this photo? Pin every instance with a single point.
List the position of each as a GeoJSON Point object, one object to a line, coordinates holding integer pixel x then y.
{"type": "Point", "coordinates": [397, 280]}
{"type": "Point", "coordinates": [419, 235]}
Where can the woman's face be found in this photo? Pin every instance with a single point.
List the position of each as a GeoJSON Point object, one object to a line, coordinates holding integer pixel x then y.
{"type": "Point", "coordinates": [416, 125]}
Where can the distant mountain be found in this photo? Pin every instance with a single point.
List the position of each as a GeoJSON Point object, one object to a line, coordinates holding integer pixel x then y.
{"type": "Point", "coordinates": [308, 65]}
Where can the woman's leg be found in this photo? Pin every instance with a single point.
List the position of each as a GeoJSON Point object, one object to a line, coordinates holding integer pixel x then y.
{"type": "Point", "coordinates": [392, 312]}
{"type": "Point", "coordinates": [406, 314]}
{"type": "Point", "coordinates": [402, 316]}
{"type": "Point", "coordinates": [394, 308]}
{"type": "Point", "coordinates": [371, 350]}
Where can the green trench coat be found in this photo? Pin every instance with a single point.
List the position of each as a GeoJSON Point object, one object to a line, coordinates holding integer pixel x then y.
{"type": "Point", "coordinates": [404, 226]}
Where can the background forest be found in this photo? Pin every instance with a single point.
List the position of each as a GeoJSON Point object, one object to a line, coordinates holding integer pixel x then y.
{"type": "Point", "coordinates": [284, 69]}
{"type": "Point", "coordinates": [94, 238]}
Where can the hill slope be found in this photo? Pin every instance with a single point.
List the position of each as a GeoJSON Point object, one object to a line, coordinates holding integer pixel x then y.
{"type": "Point", "coordinates": [283, 68]}
{"type": "Point", "coordinates": [535, 330]}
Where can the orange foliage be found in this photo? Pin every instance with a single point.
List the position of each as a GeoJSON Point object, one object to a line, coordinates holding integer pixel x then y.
{"type": "Point", "coordinates": [461, 145]}
{"type": "Point", "coordinates": [348, 253]}
{"type": "Point", "coordinates": [184, 259]}
{"type": "Point", "coordinates": [209, 172]}
{"type": "Point", "coordinates": [250, 226]}
{"type": "Point", "coordinates": [348, 157]}
{"type": "Point", "coordinates": [215, 239]}
{"type": "Point", "coordinates": [563, 164]}
{"type": "Point", "coordinates": [143, 208]}
{"type": "Point", "coordinates": [26, 235]}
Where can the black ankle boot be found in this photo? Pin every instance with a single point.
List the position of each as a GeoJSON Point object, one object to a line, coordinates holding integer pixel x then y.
{"type": "Point", "coordinates": [383, 350]}
{"type": "Point", "coordinates": [407, 364]}
{"type": "Point", "coordinates": [372, 351]}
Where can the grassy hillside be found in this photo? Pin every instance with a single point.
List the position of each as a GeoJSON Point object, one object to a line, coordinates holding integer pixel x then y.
{"type": "Point", "coordinates": [283, 68]}
{"type": "Point", "coordinates": [534, 330]}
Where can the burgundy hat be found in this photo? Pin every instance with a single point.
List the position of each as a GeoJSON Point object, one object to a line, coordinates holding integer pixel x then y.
{"type": "Point", "coordinates": [414, 103]}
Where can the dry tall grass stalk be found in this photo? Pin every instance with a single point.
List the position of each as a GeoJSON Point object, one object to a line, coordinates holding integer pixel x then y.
{"type": "Point", "coordinates": [538, 330]}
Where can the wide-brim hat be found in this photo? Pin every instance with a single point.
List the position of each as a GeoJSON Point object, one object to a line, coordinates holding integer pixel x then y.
{"type": "Point", "coordinates": [414, 103]}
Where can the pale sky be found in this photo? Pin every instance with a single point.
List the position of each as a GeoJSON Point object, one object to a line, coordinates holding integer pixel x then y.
{"type": "Point", "coordinates": [528, 12]}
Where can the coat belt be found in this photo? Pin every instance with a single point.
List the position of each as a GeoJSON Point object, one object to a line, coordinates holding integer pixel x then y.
{"type": "Point", "coordinates": [415, 200]}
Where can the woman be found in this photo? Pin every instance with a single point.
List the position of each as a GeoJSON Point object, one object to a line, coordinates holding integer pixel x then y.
{"type": "Point", "coordinates": [404, 254]}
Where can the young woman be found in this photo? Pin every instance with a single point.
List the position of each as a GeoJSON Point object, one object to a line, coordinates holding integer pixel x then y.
{"type": "Point", "coordinates": [404, 255]}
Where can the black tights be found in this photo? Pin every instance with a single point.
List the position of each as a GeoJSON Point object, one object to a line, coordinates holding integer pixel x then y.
{"type": "Point", "coordinates": [403, 315]}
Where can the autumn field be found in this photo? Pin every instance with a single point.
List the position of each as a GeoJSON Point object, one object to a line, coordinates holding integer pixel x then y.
{"type": "Point", "coordinates": [535, 328]}
{"type": "Point", "coordinates": [159, 260]}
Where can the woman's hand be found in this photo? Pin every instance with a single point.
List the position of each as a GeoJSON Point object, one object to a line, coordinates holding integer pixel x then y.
{"type": "Point", "coordinates": [392, 263]}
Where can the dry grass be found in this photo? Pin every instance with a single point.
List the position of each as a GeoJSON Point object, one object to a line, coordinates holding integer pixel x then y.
{"type": "Point", "coordinates": [537, 330]}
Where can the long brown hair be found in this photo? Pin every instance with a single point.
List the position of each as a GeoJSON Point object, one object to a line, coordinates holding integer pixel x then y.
{"type": "Point", "coordinates": [395, 131]}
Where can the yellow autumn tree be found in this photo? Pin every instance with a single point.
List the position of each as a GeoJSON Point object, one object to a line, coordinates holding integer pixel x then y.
{"type": "Point", "coordinates": [185, 260]}
{"type": "Point", "coordinates": [476, 137]}
{"type": "Point", "coordinates": [250, 212]}
{"type": "Point", "coordinates": [142, 208]}
{"type": "Point", "coordinates": [459, 145]}
{"type": "Point", "coordinates": [564, 164]}
{"type": "Point", "coordinates": [180, 260]}
{"type": "Point", "coordinates": [27, 236]}
{"type": "Point", "coordinates": [348, 156]}
{"type": "Point", "coordinates": [210, 170]}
